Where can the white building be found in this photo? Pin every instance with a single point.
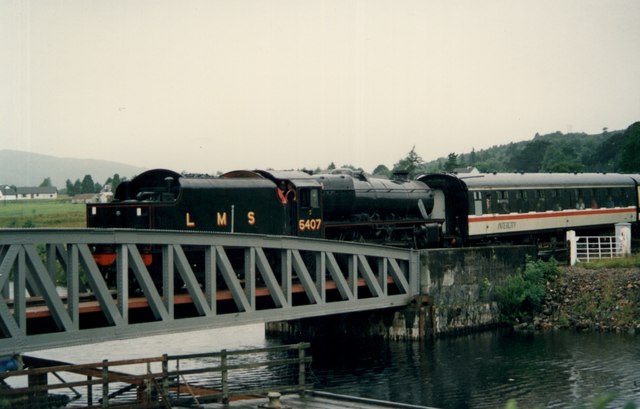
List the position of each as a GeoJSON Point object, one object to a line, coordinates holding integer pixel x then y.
{"type": "Point", "coordinates": [27, 193]}
{"type": "Point", "coordinates": [7, 193]}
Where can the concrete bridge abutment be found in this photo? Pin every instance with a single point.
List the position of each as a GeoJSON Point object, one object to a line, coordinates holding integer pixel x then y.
{"type": "Point", "coordinates": [456, 296]}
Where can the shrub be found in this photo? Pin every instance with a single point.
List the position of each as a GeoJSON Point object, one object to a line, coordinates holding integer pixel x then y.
{"type": "Point", "coordinates": [522, 295]}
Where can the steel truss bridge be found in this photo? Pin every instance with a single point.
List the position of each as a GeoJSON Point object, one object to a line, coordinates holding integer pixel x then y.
{"type": "Point", "coordinates": [55, 294]}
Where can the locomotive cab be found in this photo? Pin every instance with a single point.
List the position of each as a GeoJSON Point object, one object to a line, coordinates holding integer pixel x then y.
{"type": "Point", "coordinates": [301, 199]}
{"type": "Point", "coordinates": [307, 211]}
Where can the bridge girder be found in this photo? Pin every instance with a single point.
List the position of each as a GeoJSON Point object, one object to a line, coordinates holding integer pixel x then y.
{"type": "Point", "coordinates": [55, 293]}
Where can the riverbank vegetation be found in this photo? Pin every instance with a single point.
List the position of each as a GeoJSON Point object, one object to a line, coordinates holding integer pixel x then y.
{"type": "Point", "coordinates": [521, 296]}
{"type": "Point", "coordinates": [597, 296]}
{"type": "Point", "coordinates": [602, 401]}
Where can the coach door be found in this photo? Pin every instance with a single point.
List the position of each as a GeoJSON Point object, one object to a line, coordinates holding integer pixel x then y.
{"type": "Point", "coordinates": [309, 221]}
{"type": "Point", "coordinates": [638, 202]}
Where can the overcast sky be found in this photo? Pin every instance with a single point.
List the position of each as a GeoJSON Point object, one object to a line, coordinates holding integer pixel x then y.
{"type": "Point", "coordinates": [216, 85]}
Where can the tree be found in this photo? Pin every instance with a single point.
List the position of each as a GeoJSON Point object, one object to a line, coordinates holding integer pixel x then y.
{"type": "Point", "coordinates": [531, 157]}
{"type": "Point", "coordinates": [410, 163]}
{"type": "Point", "coordinates": [629, 158]}
{"type": "Point", "coordinates": [473, 157]}
{"type": "Point", "coordinates": [46, 183]}
{"type": "Point", "coordinates": [87, 185]}
{"type": "Point", "coordinates": [561, 158]}
{"type": "Point", "coordinates": [77, 187]}
{"type": "Point", "coordinates": [113, 182]}
{"type": "Point", "coordinates": [70, 189]}
{"type": "Point", "coordinates": [606, 156]}
{"type": "Point", "coordinates": [452, 162]}
{"type": "Point", "coordinates": [382, 170]}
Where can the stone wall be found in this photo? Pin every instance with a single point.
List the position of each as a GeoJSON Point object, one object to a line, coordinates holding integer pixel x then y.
{"type": "Point", "coordinates": [456, 296]}
{"type": "Point", "coordinates": [460, 285]}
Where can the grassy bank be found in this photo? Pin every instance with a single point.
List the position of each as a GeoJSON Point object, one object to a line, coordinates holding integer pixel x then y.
{"type": "Point", "coordinates": [42, 213]}
{"type": "Point", "coordinates": [597, 296]}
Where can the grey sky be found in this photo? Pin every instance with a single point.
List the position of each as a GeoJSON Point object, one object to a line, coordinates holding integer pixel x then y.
{"type": "Point", "coordinates": [218, 85]}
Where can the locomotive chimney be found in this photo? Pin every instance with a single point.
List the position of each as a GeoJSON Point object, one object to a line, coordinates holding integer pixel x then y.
{"type": "Point", "coordinates": [169, 180]}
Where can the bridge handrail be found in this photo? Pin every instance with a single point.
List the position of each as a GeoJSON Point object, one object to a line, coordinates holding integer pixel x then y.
{"type": "Point", "coordinates": [167, 237]}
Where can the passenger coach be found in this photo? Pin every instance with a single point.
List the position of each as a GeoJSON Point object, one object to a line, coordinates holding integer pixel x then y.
{"type": "Point", "coordinates": [532, 207]}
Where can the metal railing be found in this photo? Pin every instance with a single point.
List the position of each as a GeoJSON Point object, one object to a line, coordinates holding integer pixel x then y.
{"type": "Point", "coordinates": [163, 381]}
{"type": "Point", "coordinates": [589, 248]}
{"type": "Point", "coordinates": [56, 294]}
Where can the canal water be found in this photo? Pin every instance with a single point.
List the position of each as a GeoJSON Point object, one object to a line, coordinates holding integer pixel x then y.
{"type": "Point", "coordinates": [485, 370]}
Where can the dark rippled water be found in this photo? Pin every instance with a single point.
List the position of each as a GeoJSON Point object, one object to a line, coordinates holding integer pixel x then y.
{"type": "Point", "coordinates": [556, 370]}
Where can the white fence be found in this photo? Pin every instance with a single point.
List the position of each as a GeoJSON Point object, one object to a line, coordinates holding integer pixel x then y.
{"type": "Point", "coordinates": [588, 248]}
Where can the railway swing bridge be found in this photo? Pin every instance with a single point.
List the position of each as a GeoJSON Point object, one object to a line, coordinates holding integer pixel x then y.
{"type": "Point", "coordinates": [54, 293]}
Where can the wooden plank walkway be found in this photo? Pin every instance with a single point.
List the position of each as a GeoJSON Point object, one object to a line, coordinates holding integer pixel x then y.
{"type": "Point", "coordinates": [315, 400]}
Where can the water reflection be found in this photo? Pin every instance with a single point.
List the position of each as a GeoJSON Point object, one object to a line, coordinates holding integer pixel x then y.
{"type": "Point", "coordinates": [556, 370]}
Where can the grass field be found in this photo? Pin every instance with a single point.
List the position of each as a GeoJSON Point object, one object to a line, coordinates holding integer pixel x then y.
{"type": "Point", "coordinates": [42, 213]}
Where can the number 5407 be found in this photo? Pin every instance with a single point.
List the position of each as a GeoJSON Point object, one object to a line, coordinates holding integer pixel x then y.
{"type": "Point", "coordinates": [309, 224]}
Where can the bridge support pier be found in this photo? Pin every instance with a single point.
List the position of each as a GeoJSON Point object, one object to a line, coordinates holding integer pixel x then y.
{"type": "Point", "coordinates": [410, 323]}
{"type": "Point", "coordinates": [456, 296]}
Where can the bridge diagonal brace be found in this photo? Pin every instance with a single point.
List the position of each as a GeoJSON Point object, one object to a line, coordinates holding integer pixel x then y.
{"type": "Point", "coordinates": [270, 279]}
{"type": "Point", "coordinates": [99, 287]}
{"type": "Point", "coordinates": [369, 277]}
{"type": "Point", "coordinates": [305, 278]}
{"type": "Point", "coordinates": [39, 278]}
{"type": "Point", "coordinates": [338, 278]}
{"type": "Point", "coordinates": [146, 284]}
{"type": "Point", "coordinates": [398, 277]}
{"type": "Point", "coordinates": [8, 324]}
{"type": "Point", "coordinates": [8, 260]}
{"type": "Point", "coordinates": [193, 287]}
{"type": "Point", "coordinates": [229, 276]}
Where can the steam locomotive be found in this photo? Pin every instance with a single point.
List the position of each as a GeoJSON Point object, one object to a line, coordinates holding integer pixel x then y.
{"type": "Point", "coordinates": [342, 205]}
{"type": "Point", "coordinates": [432, 210]}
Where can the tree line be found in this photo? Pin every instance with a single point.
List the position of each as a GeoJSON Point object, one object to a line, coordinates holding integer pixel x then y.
{"type": "Point", "coordinates": [86, 185]}
{"type": "Point", "coordinates": [616, 151]}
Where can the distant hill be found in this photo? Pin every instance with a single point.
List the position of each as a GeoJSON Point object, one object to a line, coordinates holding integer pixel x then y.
{"type": "Point", "coordinates": [20, 168]}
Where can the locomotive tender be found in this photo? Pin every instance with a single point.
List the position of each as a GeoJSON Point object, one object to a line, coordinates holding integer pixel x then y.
{"type": "Point", "coordinates": [433, 210]}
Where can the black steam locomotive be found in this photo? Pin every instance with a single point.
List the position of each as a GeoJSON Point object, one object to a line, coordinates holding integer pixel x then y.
{"type": "Point", "coordinates": [342, 205]}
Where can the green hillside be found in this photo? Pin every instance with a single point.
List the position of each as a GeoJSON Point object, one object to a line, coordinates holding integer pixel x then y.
{"type": "Point", "coordinates": [610, 151]}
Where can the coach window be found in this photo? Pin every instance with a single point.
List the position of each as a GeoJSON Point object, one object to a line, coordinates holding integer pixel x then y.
{"type": "Point", "coordinates": [477, 203]}
{"type": "Point", "coordinates": [612, 198]}
{"type": "Point", "coordinates": [487, 203]}
{"type": "Point", "coordinates": [579, 199]}
{"type": "Point", "coordinates": [503, 201]}
{"type": "Point", "coordinates": [521, 199]}
{"type": "Point", "coordinates": [624, 198]}
{"type": "Point", "coordinates": [594, 199]}
{"type": "Point", "coordinates": [555, 199]}
{"type": "Point", "coordinates": [541, 205]}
